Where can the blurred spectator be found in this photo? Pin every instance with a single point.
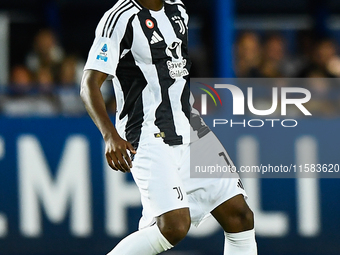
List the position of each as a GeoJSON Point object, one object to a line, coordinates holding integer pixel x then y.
{"type": "Point", "coordinates": [305, 48]}
{"type": "Point", "coordinates": [44, 80]}
{"type": "Point", "coordinates": [324, 59]}
{"type": "Point", "coordinates": [68, 71]}
{"type": "Point", "coordinates": [22, 98]}
{"type": "Point", "coordinates": [326, 56]}
{"type": "Point", "coordinates": [248, 55]}
{"type": "Point", "coordinates": [46, 54]}
{"type": "Point", "coordinates": [49, 83]}
{"type": "Point", "coordinates": [21, 79]}
{"type": "Point", "coordinates": [314, 60]}
{"type": "Point", "coordinates": [68, 92]}
{"type": "Point", "coordinates": [71, 71]}
{"type": "Point", "coordinates": [324, 53]}
{"type": "Point", "coordinates": [21, 75]}
{"type": "Point", "coordinates": [272, 65]}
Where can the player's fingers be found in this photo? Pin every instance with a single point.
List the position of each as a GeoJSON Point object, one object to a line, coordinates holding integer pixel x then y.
{"type": "Point", "coordinates": [116, 162]}
{"type": "Point", "coordinates": [127, 158]}
{"type": "Point", "coordinates": [110, 162]}
{"type": "Point", "coordinates": [130, 148]}
{"type": "Point", "coordinates": [124, 166]}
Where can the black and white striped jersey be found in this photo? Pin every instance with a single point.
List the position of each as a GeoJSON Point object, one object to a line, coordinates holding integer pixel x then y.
{"type": "Point", "coordinates": [145, 53]}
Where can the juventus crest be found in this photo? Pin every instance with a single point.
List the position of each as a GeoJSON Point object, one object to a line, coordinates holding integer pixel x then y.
{"type": "Point", "coordinates": [181, 24]}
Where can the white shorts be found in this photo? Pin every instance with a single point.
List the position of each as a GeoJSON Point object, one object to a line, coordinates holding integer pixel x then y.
{"type": "Point", "coordinates": [162, 174]}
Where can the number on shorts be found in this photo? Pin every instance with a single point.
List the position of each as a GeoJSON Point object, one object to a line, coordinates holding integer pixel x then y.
{"type": "Point", "coordinates": [222, 154]}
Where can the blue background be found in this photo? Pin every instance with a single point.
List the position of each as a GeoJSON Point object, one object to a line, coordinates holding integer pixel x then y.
{"type": "Point", "coordinates": [276, 147]}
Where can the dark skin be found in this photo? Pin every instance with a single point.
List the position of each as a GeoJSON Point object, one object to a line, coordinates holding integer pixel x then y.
{"type": "Point", "coordinates": [233, 215]}
{"type": "Point", "coordinates": [115, 147]}
{"type": "Point", "coordinates": [154, 5]}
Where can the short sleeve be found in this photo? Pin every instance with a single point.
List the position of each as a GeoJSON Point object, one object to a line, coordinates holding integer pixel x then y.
{"type": "Point", "coordinates": [103, 56]}
{"type": "Point", "coordinates": [106, 49]}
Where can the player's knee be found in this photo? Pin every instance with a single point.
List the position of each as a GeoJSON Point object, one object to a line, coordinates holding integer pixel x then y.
{"type": "Point", "coordinates": [248, 218]}
{"type": "Point", "coordinates": [175, 233]}
{"type": "Point", "coordinates": [245, 217]}
{"type": "Point", "coordinates": [173, 228]}
{"type": "Point", "coordinates": [235, 215]}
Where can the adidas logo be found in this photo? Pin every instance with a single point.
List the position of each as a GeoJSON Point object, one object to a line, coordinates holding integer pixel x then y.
{"type": "Point", "coordinates": [239, 184]}
{"type": "Point", "coordinates": [155, 38]}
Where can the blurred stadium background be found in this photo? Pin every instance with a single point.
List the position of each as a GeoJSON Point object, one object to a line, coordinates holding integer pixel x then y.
{"type": "Point", "coordinates": [57, 196]}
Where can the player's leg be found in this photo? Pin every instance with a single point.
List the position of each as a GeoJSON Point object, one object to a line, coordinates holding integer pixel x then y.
{"type": "Point", "coordinates": [234, 215]}
{"type": "Point", "coordinates": [165, 206]}
{"type": "Point", "coordinates": [148, 241]}
{"type": "Point", "coordinates": [174, 225]}
{"type": "Point", "coordinates": [224, 198]}
{"type": "Point", "coordinates": [171, 228]}
{"type": "Point", "coordinates": [237, 221]}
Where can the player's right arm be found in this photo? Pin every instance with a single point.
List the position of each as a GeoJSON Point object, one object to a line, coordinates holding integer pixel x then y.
{"type": "Point", "coordinates": [115, 147]}
{"type": "Point", "coordinates": [102, 62]}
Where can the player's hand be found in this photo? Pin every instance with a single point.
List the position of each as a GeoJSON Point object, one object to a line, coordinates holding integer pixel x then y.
{"type": "Point", "coordinates": [116, 154]}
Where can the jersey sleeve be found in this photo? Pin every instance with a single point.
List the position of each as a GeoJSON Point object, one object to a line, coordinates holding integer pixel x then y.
{"type": "Point", "coordinates": [106, 49]}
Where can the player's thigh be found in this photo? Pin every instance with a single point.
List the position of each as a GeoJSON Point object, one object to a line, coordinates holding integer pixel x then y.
{"type": "Point", "coordinates": [156, 174]}
{"type": "Point", "coordinates": [206, 193]}
{"type": "Point", "coordinates": [210, 159]}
